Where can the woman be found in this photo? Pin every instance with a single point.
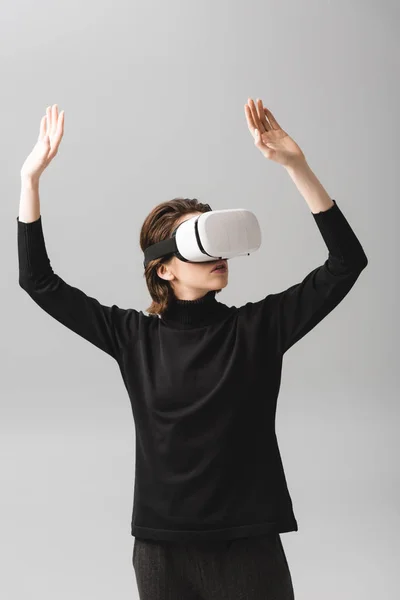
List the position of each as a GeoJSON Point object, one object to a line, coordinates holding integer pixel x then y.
{"type": "Point", "coordinates": [203, 379]}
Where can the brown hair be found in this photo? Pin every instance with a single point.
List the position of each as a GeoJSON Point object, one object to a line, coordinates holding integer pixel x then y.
{"type": "Point", "coordinates": [158, 226]}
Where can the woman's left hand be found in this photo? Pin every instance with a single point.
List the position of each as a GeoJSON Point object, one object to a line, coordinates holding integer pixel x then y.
{"type": "Point", "coordinates": [269, 137]}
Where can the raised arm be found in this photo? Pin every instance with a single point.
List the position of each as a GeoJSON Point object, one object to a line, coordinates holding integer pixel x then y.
{"type": "Point", "coordinates": [288, 315]}
{"type": "Point", "coordinates": [295, 311]}
{"type": "Point", "coordinates": [104, 326]}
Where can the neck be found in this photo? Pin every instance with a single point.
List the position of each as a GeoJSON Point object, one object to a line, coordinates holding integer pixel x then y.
{"type": "Point", "coordinates": [185, 314]}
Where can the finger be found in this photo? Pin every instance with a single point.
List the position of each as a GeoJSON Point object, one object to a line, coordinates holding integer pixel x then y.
{"type": "Point", "coordinates": [250, 123]}
{"type": "Point", "coordinates": [256, 120]}
{"type": "Point", "coordinates": [48, 115]}
{"type": "Point", "coordinates": [61, 121]}
{"type": "Point", "coordinates": [42, 129]}
{"type": "Point", "coordinates": [254, 114]}
{"type": "Point", "coordinates": [272, 120]}
{"type": "Point", "coordinates": [60, 128]}
{"type": "Point", "coordinates": [258, 139]}
{"type": "Point", "coordinates": [54, 118]}
{"type": "Point", "coordinates": [56, 138]}
{"type": "Point", "coordinates": [262, 116]}
{"type": "Point", "coordinates": [259, 143]}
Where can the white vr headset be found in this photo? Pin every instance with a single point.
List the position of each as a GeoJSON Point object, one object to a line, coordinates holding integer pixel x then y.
{"type": "Point", "coordinates": [215, 234]}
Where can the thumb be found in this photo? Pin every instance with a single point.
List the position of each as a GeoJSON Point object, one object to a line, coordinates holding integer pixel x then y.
{"type": "Point", "coordinates": [258, 140]}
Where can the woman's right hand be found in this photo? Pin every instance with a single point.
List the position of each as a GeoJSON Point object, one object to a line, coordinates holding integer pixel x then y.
{"type": "Point", "coordinates": [45, 149]}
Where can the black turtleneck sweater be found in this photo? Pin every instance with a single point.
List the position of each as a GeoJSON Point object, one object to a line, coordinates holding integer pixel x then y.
{"type": "Point", "coordinates": [203, 383]}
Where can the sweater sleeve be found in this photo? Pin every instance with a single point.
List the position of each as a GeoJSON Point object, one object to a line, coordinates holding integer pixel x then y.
{"type": "Point", "coordinates": [289, 315]}
{"type": "Point", "coordinates": [103, 326]}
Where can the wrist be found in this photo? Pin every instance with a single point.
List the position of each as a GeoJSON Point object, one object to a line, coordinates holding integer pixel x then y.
{"type": "Point", "coordinates": [298, 167]}
{"type": "Point", "coordinates": [29, 181]}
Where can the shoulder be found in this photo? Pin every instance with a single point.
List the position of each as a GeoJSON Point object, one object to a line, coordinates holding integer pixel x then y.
{"type": "Point", "coordinates": [129, 322]}
{"type": "Point", "coordinates": [257, 308]}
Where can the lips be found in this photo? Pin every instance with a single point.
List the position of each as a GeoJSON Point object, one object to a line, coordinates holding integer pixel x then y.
{"type": "Point", "coordinates": [221, 263]}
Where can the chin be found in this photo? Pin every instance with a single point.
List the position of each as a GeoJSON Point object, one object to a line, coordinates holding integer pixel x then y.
{"type": "Point", "coordinates": [219, 288]}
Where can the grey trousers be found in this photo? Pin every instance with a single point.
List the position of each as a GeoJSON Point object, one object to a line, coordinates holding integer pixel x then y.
{"type": "Point", "coordinates": [252, 568]}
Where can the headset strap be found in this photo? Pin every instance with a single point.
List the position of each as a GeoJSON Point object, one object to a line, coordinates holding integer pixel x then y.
{"type": "Point", "coordinates": [159, 249]}
{"type": "Point", "coordinates": [168, 246]}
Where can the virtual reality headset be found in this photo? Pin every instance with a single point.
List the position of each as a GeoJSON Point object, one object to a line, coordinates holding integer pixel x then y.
{"type": "Point", "coordinates": [215, 234]}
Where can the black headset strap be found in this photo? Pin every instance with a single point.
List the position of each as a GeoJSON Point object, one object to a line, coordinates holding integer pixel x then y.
{"type": "Point", "coordinates": [169, 246]}
{"type": "Point", "coordinates": [159, 249]}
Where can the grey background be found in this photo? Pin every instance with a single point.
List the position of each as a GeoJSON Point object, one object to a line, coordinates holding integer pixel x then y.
{"type": "Point", "coordinates": [154, 98]}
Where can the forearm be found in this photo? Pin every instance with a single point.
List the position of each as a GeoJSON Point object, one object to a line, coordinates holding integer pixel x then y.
{"type": "Point", "coordinates": [29, 206]}
{"type": "Point", "coordinates": [310, 187]}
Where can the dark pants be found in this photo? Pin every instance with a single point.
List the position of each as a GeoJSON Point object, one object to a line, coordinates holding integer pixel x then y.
{"type": "Point", "coordinates": [241, 569]}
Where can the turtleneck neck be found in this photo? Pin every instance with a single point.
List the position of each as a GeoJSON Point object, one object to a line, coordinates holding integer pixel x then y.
{"type": "Point", "coordinates": [185, 314]}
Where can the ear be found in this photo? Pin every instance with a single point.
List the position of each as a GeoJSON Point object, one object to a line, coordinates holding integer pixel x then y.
{"type": "Point", "coordinates": [164, 273]}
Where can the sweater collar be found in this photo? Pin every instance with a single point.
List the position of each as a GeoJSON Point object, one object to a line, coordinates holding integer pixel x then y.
{"type": "Point", "coordinates": [185, 314]}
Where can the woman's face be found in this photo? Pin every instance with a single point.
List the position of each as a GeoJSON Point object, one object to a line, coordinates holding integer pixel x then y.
{"type": "Point", "coordinates": [191, 280]}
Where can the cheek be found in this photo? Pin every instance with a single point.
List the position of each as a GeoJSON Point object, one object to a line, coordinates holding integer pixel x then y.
{"type": "Point", "coordinates": [205, 268]}
{"type": "Point", "coordinates": [198, 271]}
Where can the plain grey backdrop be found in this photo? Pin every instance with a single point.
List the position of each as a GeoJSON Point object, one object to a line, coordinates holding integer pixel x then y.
{"type": "Point", "coordinates": [154, 98]}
